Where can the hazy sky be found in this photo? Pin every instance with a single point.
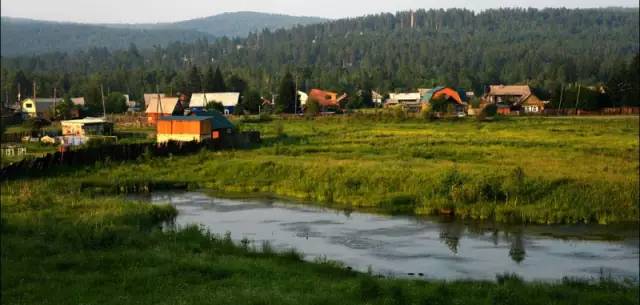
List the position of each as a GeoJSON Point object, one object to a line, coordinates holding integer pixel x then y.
{"type": "Point", "coordinates": [136, 11]}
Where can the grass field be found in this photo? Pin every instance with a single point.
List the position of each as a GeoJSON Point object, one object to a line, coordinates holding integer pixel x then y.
{"type": "Point", "coordinates": [536, 170]}
{"type": "Point", "coordinates": [61, 245]}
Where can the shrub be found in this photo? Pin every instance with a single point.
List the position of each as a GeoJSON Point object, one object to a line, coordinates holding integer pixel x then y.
{"type": "Point", "coordinates": [215, 106]}
{"type": "Point", "coordinates": [312, 107]}
{"type": "Point", "coordinates": [426, 113]}
{"type": "Point", "coordinates": [490, 110]}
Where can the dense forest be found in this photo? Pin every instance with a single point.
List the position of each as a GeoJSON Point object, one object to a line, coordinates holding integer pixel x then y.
{"type": "Point", "coordinates": [550, 49]}
{"type": "Point", "coordinates": [31, 37]}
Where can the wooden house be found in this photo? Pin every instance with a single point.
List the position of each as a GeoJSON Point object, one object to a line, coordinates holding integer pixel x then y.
{"type": "Point", "coordinates": [518, 98]}
{"type": "Point", "coordinates": [211, 125]}
{"type": "Point", "coordinates": [165, 106]}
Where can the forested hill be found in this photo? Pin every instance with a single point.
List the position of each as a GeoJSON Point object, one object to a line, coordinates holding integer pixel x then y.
{"type": "Point", "coordinates": [545, 48]}
{"type": "Point", "coordinates": [238, 24]}
{"type": "Point", "coordinates": [29, 37]}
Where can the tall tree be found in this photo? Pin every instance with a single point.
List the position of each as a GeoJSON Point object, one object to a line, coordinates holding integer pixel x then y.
{"type": "Point", "coordinates": [209, 80]}
{"type": "Point", "coordinates": [287, 95]}
{"type": "Point", "coordinates": [218, 82]}
{"type": "Point", "coordinates": [194, 81]}
{"type": "Point", "coordinates": [237, 84]}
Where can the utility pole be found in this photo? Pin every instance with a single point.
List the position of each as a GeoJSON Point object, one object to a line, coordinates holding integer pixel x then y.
{"type": "Point", "coordinates": [295, 97]}
{"type": "Point", "coordinates": [561, 97]}
{"type": "Point", "coordinates": [54, 103]}
{"type": "Point", "coordinates": [578, 99]}
{"type": "Point", "coordinates": [159, 104]}
{"type": "Point", "coordinates": [104, 108]}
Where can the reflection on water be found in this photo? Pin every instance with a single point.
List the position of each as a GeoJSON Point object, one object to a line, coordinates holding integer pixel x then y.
{"type": "Point", "coordinates": [401, 245]}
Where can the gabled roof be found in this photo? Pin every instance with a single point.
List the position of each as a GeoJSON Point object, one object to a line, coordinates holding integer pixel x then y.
{"type": "Point", "coordinates": [166, 105]}
{"type": "Point", "coordinates": [327, 98]}
{"type": "Point", "coordinates": [218, 120]}
{"type": "Point", "coordinates": [149, 96]}
{"type": "Point", "coordinates": [521, 91]}
{"type": "Point", "coordinates": [509, 90]}
{"type": "Point", "coordinates": [440, 91]}
{"type": "Point", "coordinates": [228, 99]}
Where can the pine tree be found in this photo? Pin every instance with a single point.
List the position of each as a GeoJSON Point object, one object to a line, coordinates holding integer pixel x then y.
{"type": "Point", "coordinates": [209, 80]}
{"type": "Point", "coordinates": [194, 83]}
{"type": "Point", "coordinates": [217, 85]}
{"type": "Point", "coordinates": [287, 95]}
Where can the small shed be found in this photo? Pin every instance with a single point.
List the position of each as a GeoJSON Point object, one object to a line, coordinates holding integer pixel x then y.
{"type": "Point", "coordinates": [205, 126]}
{"type": "Point", "coordinates": [164, 106]}
{"type": "Point", "coordinates": [87, 127]}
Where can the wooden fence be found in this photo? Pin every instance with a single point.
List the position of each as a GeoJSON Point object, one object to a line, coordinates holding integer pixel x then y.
{"type": "Point", "coordinates": [120, 152]}
{"type": "Point", "coordinates": [603, 111]}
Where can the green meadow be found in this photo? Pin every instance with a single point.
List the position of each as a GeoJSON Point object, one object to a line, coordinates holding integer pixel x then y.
{"type": "Point", "coordinates": [73, 237]}
{"type": "Point", "coordinates": [531, 170]}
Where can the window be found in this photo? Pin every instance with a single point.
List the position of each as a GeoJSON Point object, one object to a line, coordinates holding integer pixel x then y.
{"type": "Point", "coordinates": [28, 105]}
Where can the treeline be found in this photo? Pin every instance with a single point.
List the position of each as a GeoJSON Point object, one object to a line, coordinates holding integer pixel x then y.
{"type": "Point", "coordinates": [550, 49]}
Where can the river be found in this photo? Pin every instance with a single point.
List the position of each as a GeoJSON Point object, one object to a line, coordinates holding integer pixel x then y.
{"type": "Point", "coordinates": [407, 246]}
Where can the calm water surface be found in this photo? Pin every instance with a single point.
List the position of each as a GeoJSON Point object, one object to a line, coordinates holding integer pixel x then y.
{"type": "Point", "coordinates": [400, 245]}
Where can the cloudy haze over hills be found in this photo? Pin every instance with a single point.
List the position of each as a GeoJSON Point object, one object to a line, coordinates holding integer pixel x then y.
{"type": "Point", "coordinates": [153, 11]}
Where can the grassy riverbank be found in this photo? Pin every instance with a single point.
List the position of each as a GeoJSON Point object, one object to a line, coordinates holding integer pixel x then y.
{"type": "Point", "coordinates": [61, 245]}
{"type": "Point", "coordinates": [536, 170]}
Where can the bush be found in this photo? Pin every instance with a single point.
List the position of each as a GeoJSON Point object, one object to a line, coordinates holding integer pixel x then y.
{"type": "Point", "coordinates": [312, 107]}
{"type": "Point", "coordinates": [490, 110]}
{"type": "Point", "coordinates": [426, 113]}
{"type": "Point", "coordinates": [215, 106]}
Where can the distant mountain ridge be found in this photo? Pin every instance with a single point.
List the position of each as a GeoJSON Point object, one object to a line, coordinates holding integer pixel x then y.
{"type": "Point", "coordinates": [20, 36]}
{"type": "Point", "coordinates": [238, 24]}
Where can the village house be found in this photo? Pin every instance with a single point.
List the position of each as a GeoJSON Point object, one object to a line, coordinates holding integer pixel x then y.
{"type": "Point", "coordinates": [514, 99]}
{"type": "Point", "coordinates": [327, 99]}
{"type": "Point", "coordinates": [207, 125]}
{"type": "Point", "coordinates": [228, 99]}
{"type": "Point", "coordinates": [410, 101]}
{"type": "Point", "coordinates": [165, 106]}
{"type": "Point", "coordinates": [38, 107]}
{"type": "Point", "coordinates": [87, 127]}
